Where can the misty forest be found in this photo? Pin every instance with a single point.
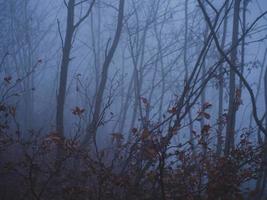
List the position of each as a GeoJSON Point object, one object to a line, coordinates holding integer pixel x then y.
{"type": "Point", "coordinates": [133, 99]}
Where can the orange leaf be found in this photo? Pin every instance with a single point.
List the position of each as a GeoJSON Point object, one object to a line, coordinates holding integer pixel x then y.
{"type": "Point", "coordinates": [172, 110]}
{"type": "Point", "coordinates": [145, 134]}
{"type": "Point", "coordinates": [78, 111]}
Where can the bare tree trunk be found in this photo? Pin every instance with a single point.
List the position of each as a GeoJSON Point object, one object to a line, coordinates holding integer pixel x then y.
{"type": "Point", "coordinates": [29, 64]}
{"type": "Point", "coordinates": [64, 68]}
{"type": "Point", "coordinates": [186, 70]}
{"type": "Point", "coordinates": [232, 107]}
{"type": "Point", "coordinates": [262, 175]}
{"type": "Point", "coordinates": [96, 45]}
{"type": "Point", "coordinates": [21, 41]}
{"type": "Point", "coordinates": [163, 87]}
{"type": "Point", "coordinates": [263, 178]}
{"type": "Point", "coordinates": [67, 46]}
{"type": "Point", "coordinates": [203, 94]}
{"type": "Point", "coordinates": [125, 106]}
{"type": "Point", "coordinates": [137, 51]}
{"type": "Point", "coordinates": [259, 84]}
{"type": "Point", "coordinates": [122, 91]}
{"type": "Point", "coordinates": [94, 124]}
{"type": "Point", "coordinates": [244, 26]}
{"type": "Point", "coordinates": [159, 60]}
{"type": "Point", "coordinates": [221, 84]}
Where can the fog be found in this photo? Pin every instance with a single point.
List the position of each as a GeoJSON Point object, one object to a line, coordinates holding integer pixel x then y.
{"type": "Point", "coordinates": [133, 99]}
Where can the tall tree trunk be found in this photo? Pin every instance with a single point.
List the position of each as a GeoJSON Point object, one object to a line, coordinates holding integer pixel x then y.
{"type": "Point", "coordinates": [64, 68]}
{"type": "Point", "coordinates": [186, 70]}
{"type": "Point", "coordinates": [137, 51]}
{"type": "Point", "coordinates": [29, 65]}
{"type": "Point", "coordinates": [259, 84]}
{"type": "Point", "coordinates": [232, 107]}
{"type": "Point", "coordinates": [264, 158]}
{"type": "Point", "coordinates": [262, 175]}
{"type": "Point", "coordinates": [66, 50]}
{"type": "Point", "coordinates": [203, 96]}
{"type": "Point", "coordinates": [244, 26]}
{"type": "Point", "coordinates": [94, 124]}
{"type": "Point", "coordinates": [221, 84]}
{"type": "Point", "coordinates": [126, 104]}
{"type": "Point", "coordinates": [122, 91]}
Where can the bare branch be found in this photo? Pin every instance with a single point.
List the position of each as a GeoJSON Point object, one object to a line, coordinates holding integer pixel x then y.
{"type": "Point", "coordinates": [242, 78]}
{"type": "Point", "coordinates": [60, 35]}
{"type": "Point", "coordinates": [86, 14]}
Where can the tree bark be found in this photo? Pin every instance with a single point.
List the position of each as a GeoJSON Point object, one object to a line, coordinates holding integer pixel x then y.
{"type": "Point", "coordinates": [94, 124]}
{"type": "Point", "coordinates": [64, 68]}
{"type": "Point", "coordinates": [66, 50]}
{"type": "Point", "coordinates": [221, 84]}
{"type": "Point", "coordinates": [232, 107]}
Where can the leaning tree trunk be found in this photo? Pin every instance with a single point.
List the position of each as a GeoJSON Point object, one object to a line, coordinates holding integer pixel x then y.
{"type": "Point", "coordinates": [94, 124]}
{"type": "Point", "coordinates": [259, 84]}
